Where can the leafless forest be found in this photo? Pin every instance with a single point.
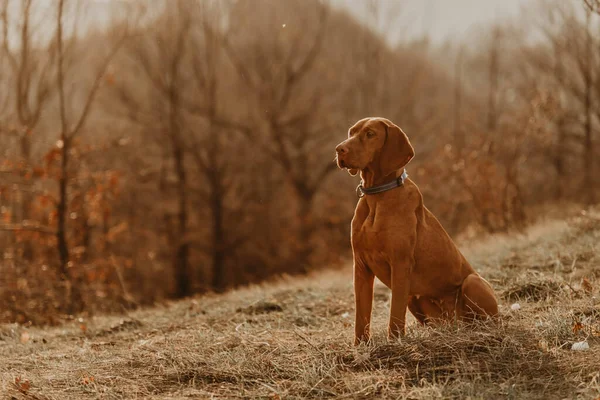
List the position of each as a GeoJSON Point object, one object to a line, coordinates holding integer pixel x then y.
{"type": "Point", "coordinates": [175, 147]}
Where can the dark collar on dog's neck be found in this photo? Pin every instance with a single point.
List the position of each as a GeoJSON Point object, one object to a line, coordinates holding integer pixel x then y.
{"type": "Point", "coordinates": [399, 181]}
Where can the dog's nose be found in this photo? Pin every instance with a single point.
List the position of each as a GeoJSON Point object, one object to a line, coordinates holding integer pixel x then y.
{"type": "Point", "coordinates": [341, 148]}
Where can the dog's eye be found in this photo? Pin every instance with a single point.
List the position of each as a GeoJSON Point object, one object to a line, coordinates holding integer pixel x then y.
{"type": "Point", "coordinates": [370, 134]}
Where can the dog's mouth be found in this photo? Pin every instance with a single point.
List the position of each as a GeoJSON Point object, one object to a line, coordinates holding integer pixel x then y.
{"type": "Point", "coordinates": [341, 163]}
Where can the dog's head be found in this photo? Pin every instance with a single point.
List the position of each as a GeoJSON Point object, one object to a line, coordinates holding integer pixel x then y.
{"type": "Point", "coordinates": [374, 143]}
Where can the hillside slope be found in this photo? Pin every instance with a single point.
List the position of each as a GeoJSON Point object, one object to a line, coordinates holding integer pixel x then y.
{"type": "Point", "coordinates": [292, 339]}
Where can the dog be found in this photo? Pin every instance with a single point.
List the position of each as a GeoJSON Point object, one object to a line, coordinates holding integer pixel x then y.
{"type": "Point", "coordinates": [398, 240]}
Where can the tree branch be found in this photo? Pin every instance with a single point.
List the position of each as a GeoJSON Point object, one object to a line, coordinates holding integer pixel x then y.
{"type": "Point", "coordinates": [61, 79]}
{"type": "Point", "coordinates": [592, 5]}
{"type": "Point", "coordinates": [4, 16]}
{"type": "Point", "coordinates": [96, 85]}
{"type": "Point", "coordinates": [24, 227]}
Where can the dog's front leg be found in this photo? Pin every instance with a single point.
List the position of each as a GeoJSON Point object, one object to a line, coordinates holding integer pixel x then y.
{"type": "Point", "coordinates": [400, 286]}
{"type": "Point", "coordinates": [363, 296]}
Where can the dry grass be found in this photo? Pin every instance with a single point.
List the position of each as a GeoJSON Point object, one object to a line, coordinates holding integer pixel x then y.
{"type": "Point", "coordinates": [293, 339]}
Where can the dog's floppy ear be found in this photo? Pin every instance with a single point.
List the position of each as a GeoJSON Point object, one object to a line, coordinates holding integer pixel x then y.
{"type": "Point", "coordinates": [353, 171]}
{"type": "Point", "coordinates": [397, 150]}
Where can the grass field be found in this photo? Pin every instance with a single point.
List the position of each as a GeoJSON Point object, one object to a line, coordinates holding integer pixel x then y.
{"type": "Point", "coordinates": [292, 339]}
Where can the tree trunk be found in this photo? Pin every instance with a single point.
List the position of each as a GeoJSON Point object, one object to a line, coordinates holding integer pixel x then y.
{"type": "Point", "coordinates": [219, 283]}
{"type": "Point", "coordinates": [86, 240]}
{"type": "Point", "coordinates": [61, 213]}
{"type": "Point", "coordinates": [493, 79]}
{"type": "Point", "coordinates": [306, 228]}
{"type": "Point", "coordinates": [559, 150]}
{"type": "Point", "coordinates": [588, 158]}
{"type": "Point", "coordinates": [26, 200]}
{"type": "Point", "coordinates": [217, 206]}
{"type": "Point", "coordinates": [559, 162]}
{"type": "Point", "coordinates": [182, 275]}
{"type": "Point", "coordinates": [74, 300]}
{"type": "Point", "coordinates": [494, 72]}
{"type": "Point", "coordinates": [459, 137]}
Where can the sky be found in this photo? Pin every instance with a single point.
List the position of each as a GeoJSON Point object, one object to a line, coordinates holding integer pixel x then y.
{"type": "Point", "coordinates": [439, 19]}
{"type": "Point", "coordinates": [396, 19]}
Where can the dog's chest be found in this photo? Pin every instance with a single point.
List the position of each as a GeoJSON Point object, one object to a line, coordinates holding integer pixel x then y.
{"type": "Point", "coordinates": [371, 230]}
{"type": "Point", "coordinates": [371, 245]}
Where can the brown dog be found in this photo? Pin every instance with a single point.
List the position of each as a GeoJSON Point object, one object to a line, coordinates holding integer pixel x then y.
{"type": "Point", "coordinates": [398, 240]}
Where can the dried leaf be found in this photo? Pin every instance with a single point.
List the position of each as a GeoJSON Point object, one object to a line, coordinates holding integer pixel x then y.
{"type": "Point", "coordinates": [22, 385]}
{"type": "Point", "coordinates": [114, 180]}
{"type": "Point", "coordinates": [6, 217]}
{"type": "Point", "coordinates": [116, 231]}
{"type": "Point", "coordinates": [586, 285]}
{"type": "Point", "coordinates": [39, 171]}
{"type": "Point", "coordinates": [51, 156]}
{"type": "Point", "coordinates": [577, 326]}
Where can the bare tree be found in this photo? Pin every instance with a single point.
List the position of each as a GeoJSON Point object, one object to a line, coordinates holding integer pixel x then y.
{"type": "Point", "coordinates": [592, 5]}
{"type": "Point", "coordinates": [160, 57]}
{"type": "Point", "coordinates": [211, 147]}
{"type": "Point", "coordinates": [587, 67]}
{"type": "Point", "coordinates": [32, 76]}
{"type": "Point", "coordinates": [561, 126]}
{"type": "Point", "coordinates": [459, 135]}
{"type": "Point", "coordinates": [293, 131]}
{"type": "Point", "coordinates": [575, 61]}
{"type": "Point", "coordinates": [494, 76]}
{"type": "Point", "coordinates": [31, 70]}
{"type": "Point", "coordinates": [71, 125]}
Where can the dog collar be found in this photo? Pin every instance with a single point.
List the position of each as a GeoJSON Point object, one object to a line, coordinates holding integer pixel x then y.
{"type": "Point", "coordinates": [399, 181]}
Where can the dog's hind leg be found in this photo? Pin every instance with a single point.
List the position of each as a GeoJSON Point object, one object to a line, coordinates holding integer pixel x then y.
{"type": "Point", "coordinates": [476, 299]}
